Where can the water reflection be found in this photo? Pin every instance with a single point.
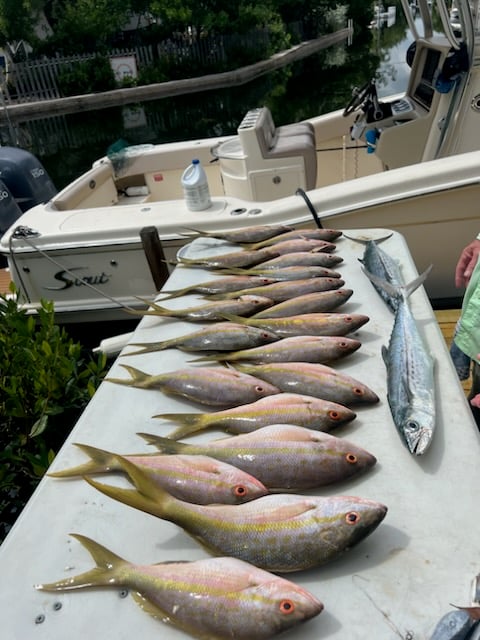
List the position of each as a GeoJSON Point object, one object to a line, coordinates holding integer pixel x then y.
{"type": "Point", "coordinates": [68, 144]}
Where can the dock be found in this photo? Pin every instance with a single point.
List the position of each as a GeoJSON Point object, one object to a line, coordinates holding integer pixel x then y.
{"type": "Point", "coordinates": [4, 280]}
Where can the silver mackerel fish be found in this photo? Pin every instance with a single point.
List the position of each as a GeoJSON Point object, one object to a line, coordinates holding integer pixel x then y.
{"type": "Point", "coordinates": [410, 372]}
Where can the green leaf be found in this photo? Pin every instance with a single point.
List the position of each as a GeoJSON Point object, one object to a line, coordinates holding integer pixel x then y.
{"type": "Point", "coordinates": [39, 426]}
{"type": "Point", "coordinates": [47, 349]}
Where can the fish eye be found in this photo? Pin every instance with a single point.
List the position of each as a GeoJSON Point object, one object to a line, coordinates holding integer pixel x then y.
{"type": "Point", "coordinates": [334, 415]}
{"type": "Point", "coordinates": [412, 425]}
{"type": "Point", "coordinates": [351, 458]}
{"type": "Point", "coordinates": [259, 388]}
{"type": "Point", "coordinates": [287, 606]}
{"type": "Point", "coordinates": [240, 490]}
{"type": "Point", "coordinates": [348, 319]}
{"type": "Point", "coordinates": [358, 391]}
{"type": "Point", "coordinates": [352, 517]}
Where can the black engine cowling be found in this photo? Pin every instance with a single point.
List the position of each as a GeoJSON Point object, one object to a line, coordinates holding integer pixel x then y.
{"type": "Point", "coordinates": [24, 183]}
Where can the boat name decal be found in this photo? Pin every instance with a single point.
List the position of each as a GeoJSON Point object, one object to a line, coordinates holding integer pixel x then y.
{"type": "Point", "coordinates": [65, 277]}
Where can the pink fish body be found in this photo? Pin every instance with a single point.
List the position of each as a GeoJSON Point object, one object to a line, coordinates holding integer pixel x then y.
{"type": "Point", "coordinates": [217, 598]}
{"type": "Point", "coordinates": [216, 386]}
{"type": "Point", "coordinates": [193, 478]}
{"type": "Point", "coordinates": [286, 408]}
{"type": "Point", "coordinates": [318, 380]}
{"type": "Point", "coordinates": [283, 456]}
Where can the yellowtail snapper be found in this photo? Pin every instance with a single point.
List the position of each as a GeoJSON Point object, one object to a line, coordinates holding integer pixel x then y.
{"type": "Point", "coordinates": [215, 598]}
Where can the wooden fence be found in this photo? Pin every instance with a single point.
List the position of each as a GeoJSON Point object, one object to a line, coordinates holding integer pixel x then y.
{"type": "Point", "coordinates": [37, 79]}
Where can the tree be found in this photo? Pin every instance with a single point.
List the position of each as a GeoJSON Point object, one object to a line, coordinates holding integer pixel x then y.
{"type": "Point", "coordinates": [86, 25]}
{"type": "Point", "coordinates": [18, 20]}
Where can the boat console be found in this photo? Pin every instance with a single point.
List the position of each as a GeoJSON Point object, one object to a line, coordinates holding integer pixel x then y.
{"type": "Point", "coordinates": [421, 125]}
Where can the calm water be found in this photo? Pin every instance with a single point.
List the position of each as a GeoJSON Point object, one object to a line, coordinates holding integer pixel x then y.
{"type": "Point", "coordinates": [68, 144]}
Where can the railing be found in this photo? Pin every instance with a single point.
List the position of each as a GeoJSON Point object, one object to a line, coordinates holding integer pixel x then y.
{"type": "Point", "coordinates": [37, 79]}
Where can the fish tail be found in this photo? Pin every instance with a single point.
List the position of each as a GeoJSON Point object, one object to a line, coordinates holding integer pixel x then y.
{"type": "Point", "coordinates": [147, 496]}
{"type": "Point", "coordinates": [156, 311]}
{"type": "Point", "coordinates": [364, 241]}
{"type": "Point", "coordinates": [150, 347]}
{"type": "Point", "coordinates": [100, 462]}
{"type": "Point", "coordinates": [107, 572]}
{"type": "Point", "coordinates": [234, 318]}
{"type": "Point", "coordinates": [403, 291]}
{"type": "Point", "coordinates": [189, 423]}
{"type": "Point", "coordinates": [218, 357]}
{"type": "Point", "coordinates": [175, 294]}
{"type": "Point", "coordinates": [197, 231]}
{"type": "Point", "coordinates": [162, 444]}
{"type": "Point", "coordinates": [138, 378]}
{"type": "Point", "coordinates": [417, 282]}
{"type": "Point", "coordinates": [234, 271]}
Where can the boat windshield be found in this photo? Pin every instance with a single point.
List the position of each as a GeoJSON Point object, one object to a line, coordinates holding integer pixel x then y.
{"type": "Point", "coordinates": [459, 21]}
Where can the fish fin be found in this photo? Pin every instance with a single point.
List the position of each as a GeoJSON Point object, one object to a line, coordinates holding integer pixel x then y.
{"type": "Point", "coordinates": [152, 609]}
{"type": "Point", "coordinates": [133, 497]}
{"type": "Point", "coordinates": [139, 378]}
{"type": "Point", "coordinates": [162, 444]}
{"type": "Point", "coordinates": [385, 354]}
{"type": "Point", "coordinates": [190, 423]}
{"type": "Point", "coordinates": [106, 573]}
{"type": "Point", "coordinates": [101, 461]}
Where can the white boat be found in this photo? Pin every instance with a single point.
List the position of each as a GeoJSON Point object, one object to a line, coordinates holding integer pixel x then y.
{"type": "Point", "coordinates": [408, 162]}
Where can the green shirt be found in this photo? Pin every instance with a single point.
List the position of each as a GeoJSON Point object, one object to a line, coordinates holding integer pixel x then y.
{"type": "Point", "coordinates": [467, 337]}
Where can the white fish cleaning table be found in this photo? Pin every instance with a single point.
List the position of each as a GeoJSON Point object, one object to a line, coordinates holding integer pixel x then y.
{"type": "Point", "coordinates": [395, 584]}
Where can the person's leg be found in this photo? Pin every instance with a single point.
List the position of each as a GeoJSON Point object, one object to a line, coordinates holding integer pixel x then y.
{"type": "Point", "coordinates": [475, 391]}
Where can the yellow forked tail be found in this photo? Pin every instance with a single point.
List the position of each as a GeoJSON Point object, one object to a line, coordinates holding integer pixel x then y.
{"type": "Point", "coordinates": [100, 462]}
{"type": "Point", "coordinates": [108, 571]}
{"type": "Point", "coordinates": [139, 379]}
{"type": "Point", "coordinates": [147, 495]}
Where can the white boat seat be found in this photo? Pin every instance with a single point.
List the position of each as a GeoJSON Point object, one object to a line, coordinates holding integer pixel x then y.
{"type": "Point", "coordinates": [95, 188]}
{"type": "Point", "coordinates": [289, 141]}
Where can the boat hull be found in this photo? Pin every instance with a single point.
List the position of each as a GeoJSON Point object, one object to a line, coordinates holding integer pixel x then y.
{"type": "Point", "coordinates": [433, 205]}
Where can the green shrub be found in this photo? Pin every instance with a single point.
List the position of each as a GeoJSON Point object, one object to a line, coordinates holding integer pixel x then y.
{"type": "Point", "coordinates": [46, 380]}
{"type": "Point", "coordinates": [87, 76]}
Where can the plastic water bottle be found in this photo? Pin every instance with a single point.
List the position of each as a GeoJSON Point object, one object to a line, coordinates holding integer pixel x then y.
{"type": "Point", "coordinates": [195, 187]}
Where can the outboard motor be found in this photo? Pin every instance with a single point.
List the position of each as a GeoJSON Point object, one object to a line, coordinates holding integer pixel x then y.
{"type": "Point", "coordinates": [9, 214]}
{"type": "Point", "coordinates": [25, 177]}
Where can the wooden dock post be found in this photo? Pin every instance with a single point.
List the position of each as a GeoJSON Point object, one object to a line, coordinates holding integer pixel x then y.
{"type": "Point", "coordinates": [153, 249]}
